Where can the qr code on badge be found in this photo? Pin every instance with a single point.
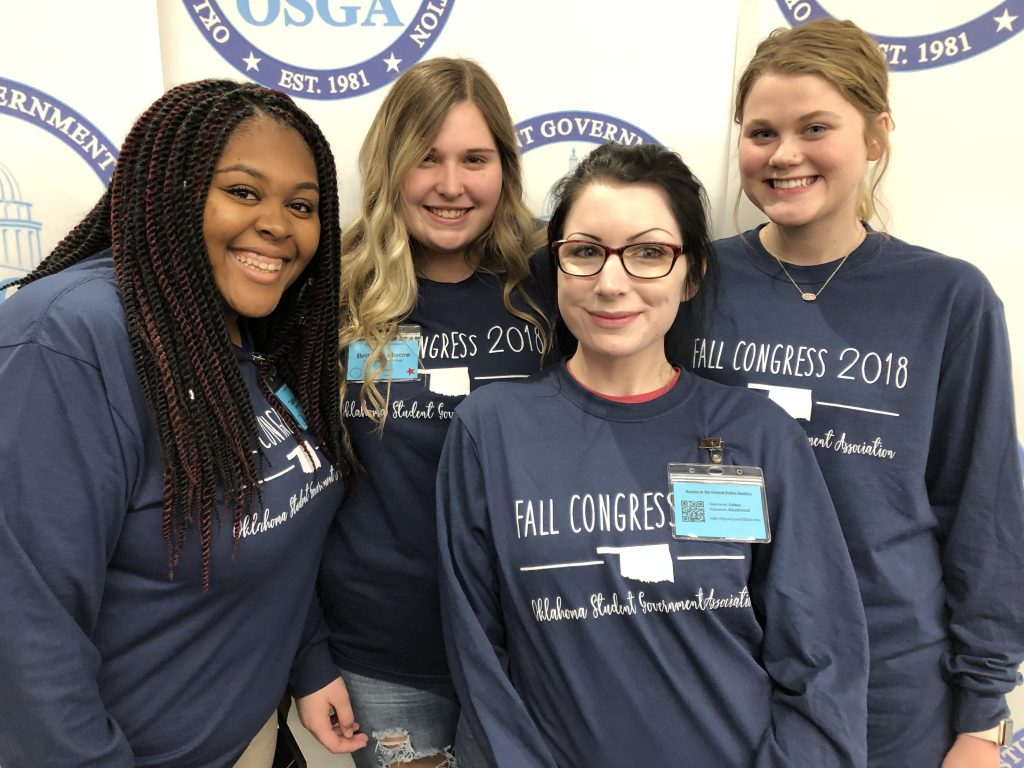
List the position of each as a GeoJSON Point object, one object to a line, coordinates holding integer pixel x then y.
{"type": "Point", "coordinates": [692, 511]}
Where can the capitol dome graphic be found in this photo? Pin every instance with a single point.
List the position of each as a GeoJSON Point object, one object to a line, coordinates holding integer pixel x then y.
{"type": "Point", "coordinates": [20, 250]}
{"type": "Point", "coordinates": [549, 200]}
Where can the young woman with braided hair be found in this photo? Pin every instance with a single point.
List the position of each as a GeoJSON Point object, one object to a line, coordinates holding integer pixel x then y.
{"type": "Point", "coordinates": [172, 446]}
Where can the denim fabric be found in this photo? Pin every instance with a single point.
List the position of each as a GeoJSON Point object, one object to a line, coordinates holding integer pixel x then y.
{"type": "Point", "coordinates": [415, 721]}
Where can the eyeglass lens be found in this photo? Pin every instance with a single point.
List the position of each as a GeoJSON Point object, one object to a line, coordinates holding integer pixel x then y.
{"type": "Point", "coordinates": [640, 259]}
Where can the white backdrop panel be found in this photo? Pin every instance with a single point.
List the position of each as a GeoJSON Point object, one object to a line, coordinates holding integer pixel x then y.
{"type": "Point", "coordinates": [73, 77]}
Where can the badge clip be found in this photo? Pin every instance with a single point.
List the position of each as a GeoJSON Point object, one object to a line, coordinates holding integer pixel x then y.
{"type": "Point", "coordinates": [715, 446]}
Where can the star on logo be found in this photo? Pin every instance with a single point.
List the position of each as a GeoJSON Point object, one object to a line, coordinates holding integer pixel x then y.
{"type": "Point", "coordinates": [252, 62]}
{"type": "Point", "coordinates": [392, 63]}
{"type": "Point", "coordinates": [410, 371]}
{"type": "Point", "coordinates": [1005, 21]}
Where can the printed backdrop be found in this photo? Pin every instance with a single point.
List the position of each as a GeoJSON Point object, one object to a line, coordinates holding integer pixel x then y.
{"type": "Point", "coordinates": [73, 76]}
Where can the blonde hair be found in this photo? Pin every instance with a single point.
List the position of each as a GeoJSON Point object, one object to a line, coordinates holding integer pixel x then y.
{"type": "Point", "coordinates": [847, 57]}
{"type": "Point", "coordinates": [378, 280]}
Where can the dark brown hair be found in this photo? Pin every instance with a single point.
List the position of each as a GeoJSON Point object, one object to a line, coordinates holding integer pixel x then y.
{"type": "Point", "coordinates": [656, 167]}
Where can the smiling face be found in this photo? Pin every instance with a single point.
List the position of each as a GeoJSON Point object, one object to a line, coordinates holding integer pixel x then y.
{"type": "Point", "coordinates": [261, 223]}
{"type": "Point", "coordinates": [803, 151]}
{"type": "Point", "coordinates": [449, 199]}
{"type": "Point", "coordinates": [621, 320]}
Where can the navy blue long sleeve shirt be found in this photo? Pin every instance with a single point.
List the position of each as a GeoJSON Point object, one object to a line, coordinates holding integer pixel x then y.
{"type": "Point", "coordinates": [105, 662]}
{"type": "Point", "coordinates": [900, 375]}
{"type": "Point", "coordinates": [581, 633]}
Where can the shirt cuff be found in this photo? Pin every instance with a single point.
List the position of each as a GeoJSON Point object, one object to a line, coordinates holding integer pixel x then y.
{"type": "Point", "coordinates": [978, 712]}
{"type": "Point", "coordinates": [312, 669]}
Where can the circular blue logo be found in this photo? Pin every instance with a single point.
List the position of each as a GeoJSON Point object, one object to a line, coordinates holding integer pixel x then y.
{"type": "Point", "coordinates": [64, 122]}
{"type": "Point", "coordinates": [572, 126]}
{"type": "Point", "coordinates": [344, 82]}
{"type": "Point", "coordinates": [935, 49]}
{"type": "Point", "coordinates": [591, 127]}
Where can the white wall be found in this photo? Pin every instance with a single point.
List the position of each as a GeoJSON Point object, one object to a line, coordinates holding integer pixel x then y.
{"type": "Point", "coordinates": [660, 66]}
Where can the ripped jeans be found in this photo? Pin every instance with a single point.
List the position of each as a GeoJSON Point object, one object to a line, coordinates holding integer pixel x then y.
{"type": "Point", "coordinates": [403, 722]}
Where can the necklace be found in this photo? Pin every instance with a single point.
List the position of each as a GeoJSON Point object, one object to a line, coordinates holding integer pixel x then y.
{"type": "Point", "coordinates": [807, 295]}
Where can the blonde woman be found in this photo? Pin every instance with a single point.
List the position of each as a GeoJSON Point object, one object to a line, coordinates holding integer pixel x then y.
{"type": "Point", "coordinates": [895, 359]}
{"type": "Point", "coordinates": [435, 303]}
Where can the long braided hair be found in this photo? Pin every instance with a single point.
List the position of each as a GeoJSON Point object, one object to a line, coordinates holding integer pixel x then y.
{"type": "Point", "coordinates": [151, 217]}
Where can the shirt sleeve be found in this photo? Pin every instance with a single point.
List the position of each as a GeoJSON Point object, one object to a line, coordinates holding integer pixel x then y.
{"type": "Point", "coordinates": [974, 486]}
{"type": "Point", "coordinates": [313, 667]}
{"type": "Point", "coordinates": [63, 500]}
{"type": "Point", "coordinates": [815, 646]}
{"type": "Point", "coordinates": [474, 632]}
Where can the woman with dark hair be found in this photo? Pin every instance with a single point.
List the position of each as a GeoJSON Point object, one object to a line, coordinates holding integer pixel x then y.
{"type": "Point", "coordinates": [172, 446]}
{"type": "Point", "coordinates": [639, 567]}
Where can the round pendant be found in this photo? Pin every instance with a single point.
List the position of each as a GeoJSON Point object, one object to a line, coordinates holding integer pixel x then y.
{"type": "Point", "coordinates": [808, 296]}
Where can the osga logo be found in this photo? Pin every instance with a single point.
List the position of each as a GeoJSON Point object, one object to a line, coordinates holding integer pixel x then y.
{"type": "Point", "coordinates": [20, 249]}
{"type": "Point", "coordinates": [591, 127]}
{"type": "Point", "coordinates": [934, 49]}
{"type": "Point", "coordinates": [326, 30]}
{"type": "Point", "coordinates": [64, 122]}
{"type": "Point", "coordinates": [569, 127]}
{"type": "Point", "coordinates": [20, 231]}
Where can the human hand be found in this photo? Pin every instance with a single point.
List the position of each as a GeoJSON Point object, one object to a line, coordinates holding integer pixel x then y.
{"type": "Point", "coordinates": [971, 752]}
{"type": "Point", "coordinates": [327, 714]}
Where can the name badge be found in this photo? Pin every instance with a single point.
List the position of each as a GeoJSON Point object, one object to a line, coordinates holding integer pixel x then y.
{"type": "Point", "coordinates": [282, 392]}
{"type": "Point", "coordinates": [287, 398]}
{"type": "Point", "coordinates": [718, 503]}
{"type": "Point", "coordinates": [401, 363]}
